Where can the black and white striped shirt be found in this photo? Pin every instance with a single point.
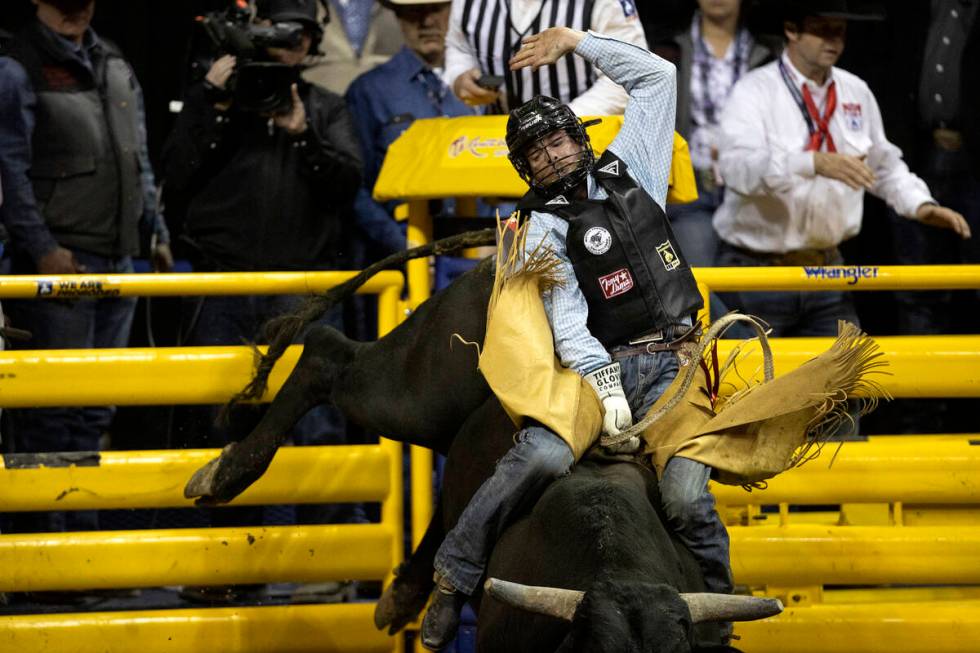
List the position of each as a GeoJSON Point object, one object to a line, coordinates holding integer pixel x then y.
{"type": "Point", "coordinates": [486, 34]}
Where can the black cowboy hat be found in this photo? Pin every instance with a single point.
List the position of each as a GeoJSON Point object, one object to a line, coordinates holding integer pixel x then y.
{"type": "Point", "coordinates": [832, 9]}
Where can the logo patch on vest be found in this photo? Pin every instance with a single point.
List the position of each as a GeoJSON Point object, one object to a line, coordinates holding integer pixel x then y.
{"type": "Point", "coordinates": [668, 256]}
{"type": "Point", "coordinates": [598, 240]}
{"type": "Point", "coordinates": [610, 169]}
{"type": "Point", "coordinates": [616, 283]}
{"type": "Point", "coordinates": [558, 201]}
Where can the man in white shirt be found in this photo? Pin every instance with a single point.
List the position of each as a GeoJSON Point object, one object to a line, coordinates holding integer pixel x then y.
{"type": "Point", "coordinates": [484, 34]}
{"type": "Point", "coordinates": [800, 143]}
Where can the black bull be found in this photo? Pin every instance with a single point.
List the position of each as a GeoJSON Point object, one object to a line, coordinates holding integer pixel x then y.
{"type": "Point", "coordinates": [598, 529]}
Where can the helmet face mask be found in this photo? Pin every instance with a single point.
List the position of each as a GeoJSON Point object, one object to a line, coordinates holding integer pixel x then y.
{"type": "Point", "coordinates": [548, 146]}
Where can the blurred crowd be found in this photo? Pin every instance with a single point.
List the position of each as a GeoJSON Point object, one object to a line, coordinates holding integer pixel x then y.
{"type": "Point", "coordinates": [258, 166]}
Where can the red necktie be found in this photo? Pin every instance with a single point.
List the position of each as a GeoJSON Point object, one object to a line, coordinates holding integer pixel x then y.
{"type": "Point", "coordinates": [822, 131]}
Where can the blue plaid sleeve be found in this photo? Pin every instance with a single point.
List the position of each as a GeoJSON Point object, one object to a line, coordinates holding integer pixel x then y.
{"type": "Point", "coordinates": [646, 140]}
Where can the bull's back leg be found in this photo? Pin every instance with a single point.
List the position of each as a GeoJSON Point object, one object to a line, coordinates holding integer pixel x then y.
{"type": "Point", "coordinates": [404, 598]}
{"type": "Point", "coordinates": [325, 353]}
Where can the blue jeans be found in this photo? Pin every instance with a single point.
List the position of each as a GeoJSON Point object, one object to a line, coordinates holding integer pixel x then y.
{"type": "Point", "coordinates": [690, 510]}
{"type": "Point", "coordinates": [231, 320]}
{"type": "Point", "coordinates": [537, 458]}
{"type": "Point", "coordinates": [794, 313]}
{"type": "Point", "coordinates": [689, 506]}
{"type": "Point", "coordinates": [953, 184]}
{"type": "Point", "coordinates": [68, 324]}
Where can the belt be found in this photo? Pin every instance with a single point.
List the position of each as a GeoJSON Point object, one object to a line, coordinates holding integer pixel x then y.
{"type": "Point", "coordinates": [828, 256]}
{"type": "Point", "coordinates": [652, 344]}
{"type": "Point", "coordinates": [947, 140]}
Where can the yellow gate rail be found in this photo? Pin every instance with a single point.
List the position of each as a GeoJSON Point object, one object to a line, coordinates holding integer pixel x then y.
{"type": "Point", "coordinates": [155, 479]}
{"type": "Point", "coordinates": [347, 627]}
{"type": "Point", "coordinates": [934, 627]}
{"type": "Point", "coordinates": [193, 284]}
{"type": "Point", "coordinates": [911, 469]}
{"type": "Point", "coordinates": [919, 366]}
{"type": "Point", "coordinates": [841, 277]}
{"type": "Point", "coordinates": [192, 556]}
{"type": "Point", "coordinates": [794, 555]}
{"type": "Point", "coordinates": [805, 554]}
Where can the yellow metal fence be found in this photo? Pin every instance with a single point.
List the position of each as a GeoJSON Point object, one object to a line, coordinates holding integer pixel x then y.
{"type": "Point", "coordinates": [790, 556]}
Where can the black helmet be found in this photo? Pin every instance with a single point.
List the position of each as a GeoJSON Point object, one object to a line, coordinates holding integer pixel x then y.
{"type": "Point", "coordinates": [535, 119]}
{"type": "Point", "coordinates": [294, 11]}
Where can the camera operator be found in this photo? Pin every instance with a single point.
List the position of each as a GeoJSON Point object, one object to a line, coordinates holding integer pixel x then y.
{"type": "Point", "coordinates": [263, 191]}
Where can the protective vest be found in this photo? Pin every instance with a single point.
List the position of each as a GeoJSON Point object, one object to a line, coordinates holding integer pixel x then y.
{"type": "Point", "coordinates": [85, 149]}
{"type": "Point", "coordinates": [626, 259]}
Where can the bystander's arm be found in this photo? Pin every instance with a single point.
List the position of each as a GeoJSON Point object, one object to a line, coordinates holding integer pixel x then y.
{"type": "Point", "coordinates": [195, 149]}
{"type": "Point", "coordinates": [372, 219]}
{"type": "Point", "coordinates": [330, 148]}
{"type": "Point", "coordinates": [19, 211]}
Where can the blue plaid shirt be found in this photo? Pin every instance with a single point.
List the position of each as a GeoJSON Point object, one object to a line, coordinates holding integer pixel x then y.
{"type": "Point", "coordinates": [646, 144]}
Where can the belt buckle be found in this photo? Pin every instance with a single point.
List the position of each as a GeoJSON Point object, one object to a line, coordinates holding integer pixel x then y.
{"type": "Point", "coordinates": [655, 336]}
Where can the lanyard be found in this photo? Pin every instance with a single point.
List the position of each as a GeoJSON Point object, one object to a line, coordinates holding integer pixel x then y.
{"type": "Point", "coordinates": [819, 129]}
{"type": "Point", "coordinates": [705, 65]}
{"type": "Point", "coordinates": [435, 89]}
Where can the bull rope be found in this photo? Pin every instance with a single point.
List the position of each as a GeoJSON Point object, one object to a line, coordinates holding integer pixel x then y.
{"type": "Point", "coordinates": [281, 331]}
{"type": "Point", "coordinates": [715, 331]}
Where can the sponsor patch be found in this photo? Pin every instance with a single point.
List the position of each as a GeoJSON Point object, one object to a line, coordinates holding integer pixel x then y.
{"type": "Point", "coordinates": [598, 240]}
{"type": "Point", "coordinates": [668, 256]}
{"type": "Point", "coordinates": [610, 169]}
{"type": "Point", "coordinates": [852, 115]}
{"type": "Point", "coordinates": [616, 283]}
{"type": "Point", "coordinates": [72, 289]}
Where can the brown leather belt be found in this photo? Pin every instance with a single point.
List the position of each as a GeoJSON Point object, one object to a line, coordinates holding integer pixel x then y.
{"type": "Point", "coordinates": [652, 347]}
{"type": "Point", "coordinates": [828, 256]}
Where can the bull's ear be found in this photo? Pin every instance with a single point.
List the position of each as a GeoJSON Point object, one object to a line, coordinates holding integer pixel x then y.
{"type": "Point", "coordinates": [549, 601]}
{"type": "Point", "coordinates": [729, 607]}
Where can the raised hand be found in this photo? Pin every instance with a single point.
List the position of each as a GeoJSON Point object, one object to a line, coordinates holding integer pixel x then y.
{"type": "Point", "coordinates": [939, 216]}
{"type": "Point", "coordinates": [545, 47]}
{"type": "Point", "coordinates": [293, 121]}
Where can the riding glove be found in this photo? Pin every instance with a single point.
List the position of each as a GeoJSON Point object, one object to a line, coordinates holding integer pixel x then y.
{"type": "Point", "coordinates": [617, 414]}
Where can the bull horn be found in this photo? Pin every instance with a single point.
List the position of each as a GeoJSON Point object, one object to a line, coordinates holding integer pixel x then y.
{"type": "Point", "coordinates": [549, 601]}
{"type": "Point", "coordinates": [705, 606]}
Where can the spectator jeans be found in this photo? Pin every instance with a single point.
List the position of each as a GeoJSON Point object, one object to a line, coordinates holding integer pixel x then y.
{"type": "Point", "coordinates": [539, 457]}
{"type": "Point", "coordinates": [101, 323]}
{"type": "Point", "coordinates": [796, 313]}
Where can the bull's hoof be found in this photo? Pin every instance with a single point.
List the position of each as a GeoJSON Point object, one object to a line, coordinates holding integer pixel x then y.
{"type": "Point", "coordinates": [400, 604]}
{"type": "Point", "coordinates": [201, 485]}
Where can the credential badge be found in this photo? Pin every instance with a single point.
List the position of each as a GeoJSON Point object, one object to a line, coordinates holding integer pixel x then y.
{"type": "Point", "coordinates": [668, 256]}
{"type": "Point", "coordinates": [598, 240]}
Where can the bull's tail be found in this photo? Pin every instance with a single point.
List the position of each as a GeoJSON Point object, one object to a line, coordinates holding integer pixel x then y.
{"type": "Point", "coordinates": [281, 331]}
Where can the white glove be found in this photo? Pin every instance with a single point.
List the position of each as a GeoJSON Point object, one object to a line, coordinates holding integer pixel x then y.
{"type": "Point", "coordinates": [605, 381]}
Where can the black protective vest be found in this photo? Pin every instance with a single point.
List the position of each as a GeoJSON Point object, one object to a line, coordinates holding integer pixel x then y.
{"type": "Point", "coordinates": [626, 259]}
{"type": "Point", "coordinates": [85, 148]}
